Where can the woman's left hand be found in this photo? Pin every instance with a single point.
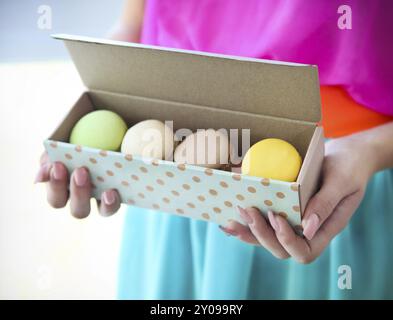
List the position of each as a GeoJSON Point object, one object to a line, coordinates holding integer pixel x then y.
{"type": "Point", "coordinates": [347, 167]}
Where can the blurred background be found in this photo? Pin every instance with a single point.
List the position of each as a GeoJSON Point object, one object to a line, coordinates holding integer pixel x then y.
{"type": "Point", "coordinates": [45, 253]}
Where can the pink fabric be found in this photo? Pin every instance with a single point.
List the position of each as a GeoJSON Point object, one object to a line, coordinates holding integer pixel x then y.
{"type": "Point", "coordinates": [359, 60]}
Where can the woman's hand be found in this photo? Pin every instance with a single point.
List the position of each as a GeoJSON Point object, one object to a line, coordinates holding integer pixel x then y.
{"type": "Point", "coordinates": [347, 167]}
{"type": "Point", "coordinates": [77, 188]}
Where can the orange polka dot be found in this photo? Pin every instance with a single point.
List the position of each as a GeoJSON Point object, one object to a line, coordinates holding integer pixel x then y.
{"type": "Point", "coordinates": [175, 193]}
{"type": "Point", "coordinates": [166, 200]}
{"type": "Point", "coordinates": [53, 144]}
{"type": "Point", "coordinates": [155, 162]}
{"type": "Point", "coordinates": [92, 160]}
{"type": "Point", "coordinates": [196, 179]}
{"type": "Point", "coordinates": [118, 165]}
{"type": "Point", "coordinates": [280, 195]}
{"type": "Point", "coordinates": [296, 208]}
{"type": "Point", "coordinates": [143, 169]}
{"type": "Point", "coordinates": [110, 173]}
{"type": "Point", "coordinates": [181, 166]}
{"type": "Point", "coordinates": [201, 198]}
{"type": "Point", "coordinates": [156, 206]}
{"type": "Point", "coordinates": [283, 214]}
{"type": "Point", "coordinates": [265, 182]}
{"type": "Point", "coordinates": [209, 172]}
{"type": "Point", "coordinates": [186, 186]}
{"type": "Point", "coordinates": [125, 183]}
{"type": "Point", "coordinates": [180, 211]}
{"type": "Point", "coordinates": [228, 204]}
{"type": "Point", "coordinates": [223, 184]}
{"type": "Point", "coordinates": [128, 157]}
{"type": "Point", "coordinates": [100, 179]}
{"type": "Point", "coordinates": [130, 201]}
{"type": "Point", "coordinates": [160, 182]}
{"type": "Point", "coordinates": [236, 177]}
{"type": "Point", "coordinates": [149, 188]}
{"type": "Point", "coordinates": [213, 192]}
{"type": "Point", "coordinates": [169, 174]}
{"type": "Point", "coordinates": [134, 177]}
{"type": "Point", "coordinates": [68, 156]}
{"type": "Point", "coordinates": [103, 153]}
{"type": "Point", "coordinates": [217, 210]}
{"type": "Point", "coordinates": [239, 197]}
{"type": "Point", "coordinates": [191, 205]}
{"type": "Point", "coordinates": [294, 187]}
{"type": "Point", "coordinates": [78, 148]}
{"type": "Point", "coordinates": [141, 195]}
{"type": "Point", "coordinates": [205, 216]}
{"type": "Point", "coordinates": [268, 203]}
{"type": "Point", "coordinates": [251, 189]}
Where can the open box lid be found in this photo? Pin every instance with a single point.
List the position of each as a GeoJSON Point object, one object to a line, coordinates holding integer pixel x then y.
{"type": "Point", "coordinates": [271, 88]}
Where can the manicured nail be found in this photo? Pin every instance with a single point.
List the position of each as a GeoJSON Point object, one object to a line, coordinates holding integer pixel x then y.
{"type": "Point", "coordinates": [273, 221]}
{"type": "Point", "coordinates": [109, 197]}
{"type": "Point", "coordinates": [57, 171]}
{"type": "Point", "coordinates": [244, 215]}
{"type": "Point", "coordinates": [228, 231]}
{"type": "Point", "coordinates": [311, 226]}
{"type": "Point", "coordinates": [81, 177]}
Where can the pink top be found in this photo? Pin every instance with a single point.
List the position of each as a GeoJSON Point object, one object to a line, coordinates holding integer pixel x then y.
{"type": "Point", "coordinates": [358, 59]}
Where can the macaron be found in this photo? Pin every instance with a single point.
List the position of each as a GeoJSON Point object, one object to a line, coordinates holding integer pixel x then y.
{"type": "Point", "coordinates": [149, 138]}
{"type": "Point", "coordinates": [206, 148]}
{"type": "Point", "coordinates": [272, 158]}
{"type": "Point", "coordinates": [101, 129]}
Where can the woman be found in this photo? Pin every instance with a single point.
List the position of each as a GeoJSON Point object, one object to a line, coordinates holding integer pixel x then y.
{"type": "Point", "coordinates": [165, 256]}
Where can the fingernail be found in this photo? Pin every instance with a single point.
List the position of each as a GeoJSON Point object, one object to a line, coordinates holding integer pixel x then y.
{"type": "Point", "coordinates": [244, 215]}
{"type": "Point", "coordinates": [311, 226]}
{"type": "Point", "coordinates": [57, 171]}
{"type": "Point", "coordinates": [228, 231]}
{"type": "Point", "coordinates": [273, 221]}
{"type": "Point", "coordinates": [109, 197]}
{"type": "Point", "coordinates": [81, 177]}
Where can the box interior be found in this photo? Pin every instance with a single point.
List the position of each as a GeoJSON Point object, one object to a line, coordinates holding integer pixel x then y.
{"type": "Point", "coordinates": [134, 109]}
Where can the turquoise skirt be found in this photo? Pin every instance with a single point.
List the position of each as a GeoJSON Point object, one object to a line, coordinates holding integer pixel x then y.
{"type": "Point", "coordinates": [170, 257]}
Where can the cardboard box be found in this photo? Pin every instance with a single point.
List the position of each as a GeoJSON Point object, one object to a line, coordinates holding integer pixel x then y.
{"type": "Point", "coordinates": [195, 90]}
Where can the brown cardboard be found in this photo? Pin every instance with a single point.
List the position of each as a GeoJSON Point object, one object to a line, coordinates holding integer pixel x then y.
{"type": "Point", "coordinates": [309, 177]}
{"type": "Point", "coordinates": [233, 83]}
{"type": "Point", "coordinates": [198, 90]}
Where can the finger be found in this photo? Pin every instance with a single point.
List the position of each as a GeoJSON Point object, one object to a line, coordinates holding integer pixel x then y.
{"type": "Point", "coordinates": [338, 220]}
{"type": "Point", "coordinates": [240, 231]}
{"type": "Point", "coordinates": [110, 203]}
{"type": "Point", "coordinates": [57, 188]}
{"type": "Point", "coordinates": [43, 174]}
{"type": "Point", "coordinates": [296, 246]}
{"type": "Point", "coordinates": [44, 158]}
{"type": "Point", "coordinates": [80, 190]}
{"type": "Point", "coordinates": [263, 232]}
{"type": "Point", "coordinates": [320, 207]}
{"type": "Point", "coordinates": [306, 251]}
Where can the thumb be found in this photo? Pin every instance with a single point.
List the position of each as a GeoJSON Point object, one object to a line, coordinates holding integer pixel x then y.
{"type": "Point", "coordinates": [320, 207]}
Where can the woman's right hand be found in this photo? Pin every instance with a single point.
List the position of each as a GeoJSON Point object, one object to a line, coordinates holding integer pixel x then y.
{"type": "Point", "coordinates": [77, 188]}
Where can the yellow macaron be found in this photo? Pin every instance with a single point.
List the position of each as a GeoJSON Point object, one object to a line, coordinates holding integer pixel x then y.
{"type": "Point", "coordinates": [272, 158]}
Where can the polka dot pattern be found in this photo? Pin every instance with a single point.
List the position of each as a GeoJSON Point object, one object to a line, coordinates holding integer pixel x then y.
{"type": "Point", "coordinates": [280, 195]}
{"type": "Point", "coordinates": [197, 192]}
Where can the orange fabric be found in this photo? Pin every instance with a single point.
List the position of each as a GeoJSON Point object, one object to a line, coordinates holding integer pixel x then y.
{"type": "Point", "coordinates": [341, 115]}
